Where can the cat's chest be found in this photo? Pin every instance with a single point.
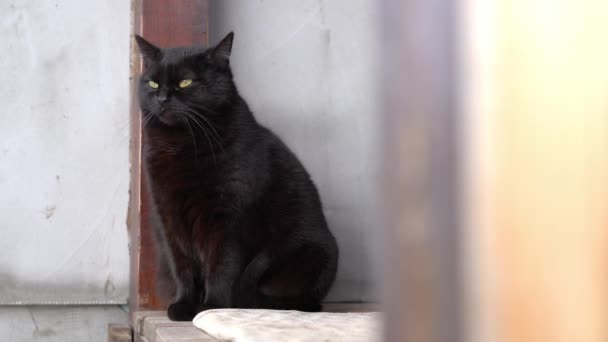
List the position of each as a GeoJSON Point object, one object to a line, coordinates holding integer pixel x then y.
{"type": "Point", "coordinates": [162, 156]}
{"type": "Point", "coordinates": [174, 167]}
{"type": "Point", "coordinates": [168, 154]}
{"type": "Point", "coordinates": [159, 147]}
{"type": "Point", "coordinates": [175, 164]}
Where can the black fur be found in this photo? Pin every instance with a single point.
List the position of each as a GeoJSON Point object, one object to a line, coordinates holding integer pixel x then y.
{"type": "Point", "coordinates": [241, 222]}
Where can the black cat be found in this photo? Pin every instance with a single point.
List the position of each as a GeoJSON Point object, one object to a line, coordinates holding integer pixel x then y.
{"type": "Point", "coordinates": [241, 222]}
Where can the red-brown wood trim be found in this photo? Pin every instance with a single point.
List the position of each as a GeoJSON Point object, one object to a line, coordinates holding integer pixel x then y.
{"type": "Point", "coordinates": [164, 23]}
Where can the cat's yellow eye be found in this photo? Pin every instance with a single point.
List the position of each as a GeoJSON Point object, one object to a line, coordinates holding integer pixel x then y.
{"type": "Point", "coordinates": [185, 83]}
{"type": "Point", "coordinates": [152, 84]}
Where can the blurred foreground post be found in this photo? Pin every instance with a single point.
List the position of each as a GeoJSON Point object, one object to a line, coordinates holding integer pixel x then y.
{"type": "Point", "coordinates": [496, 170]}
{"type": "Point", "coordinates": [422, 256]}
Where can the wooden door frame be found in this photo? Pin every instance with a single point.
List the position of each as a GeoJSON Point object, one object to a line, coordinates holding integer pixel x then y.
{"type": "Point", "coordinates": [165, 23]}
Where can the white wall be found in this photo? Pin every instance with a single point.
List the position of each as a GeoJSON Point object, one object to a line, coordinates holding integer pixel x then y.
{"type": "Point", "coordinates": [64, 167]}
{"type": "Point", "coordinates": [308, 70]}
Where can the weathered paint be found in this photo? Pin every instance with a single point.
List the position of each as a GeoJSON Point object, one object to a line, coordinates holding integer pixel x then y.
{"type": "Point", "coordinates": [59, 324]}
{"type": "Point", "coordinates": [64, 148]}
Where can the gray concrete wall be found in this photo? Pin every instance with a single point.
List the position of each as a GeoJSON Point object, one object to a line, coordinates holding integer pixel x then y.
{"type": "Point", "coordinates": [308, 71]}
{"type": "Point", "coordinates": [64, 149]}
{"type": "Point", "coordinates": [64, 168]}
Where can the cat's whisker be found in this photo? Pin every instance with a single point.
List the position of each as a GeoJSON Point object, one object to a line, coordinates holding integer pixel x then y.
{"type": "Point", "coordinates": [203, 108]}
{"type": "Point", "coordinates": [208, 140]}
{"type": "Point", "coordinates": [195, 116]}
{"type": "Point", "coordinates": [215, 136]}
{"type": "Point", "coordinates": [208, 122]}
{"type": "Point", "coordinates": [200, 106]}
{"type": "Point", "coordinates": [213, 131]}
{"type": "Point", "coordinates": [147, 120]}
{"type": "Point", "coordinates": [186, 115]}
{"type": "Point", "coordinates": [204, 132]}
{"type": "Point", "coordinates": [184, 118]}
{"type": "Point", "coordinates": [146, 114]}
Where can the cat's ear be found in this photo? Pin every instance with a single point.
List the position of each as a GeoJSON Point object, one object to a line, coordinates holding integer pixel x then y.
{"type": "Point", "coordinates": [149, 52]}
{"type": "Point", "coordinates": [220, 54]}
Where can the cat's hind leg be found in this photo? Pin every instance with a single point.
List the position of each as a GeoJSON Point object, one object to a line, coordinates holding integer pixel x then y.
{"type": "Point", "coordinates": [287, 281]}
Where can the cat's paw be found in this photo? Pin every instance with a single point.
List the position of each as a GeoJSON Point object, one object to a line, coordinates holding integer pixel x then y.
{"type": "Point", "coordinates": [181, 311]}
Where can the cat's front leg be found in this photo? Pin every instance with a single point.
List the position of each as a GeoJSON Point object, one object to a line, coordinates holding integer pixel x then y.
{"type": "Point", "coordinates": [226, 259]}
{"type": "Point", "coordinates": [184, 307]}
{"type": "Point", "coordinates": [222, 276]}
{"type": "Point", "coordinates": [188, 285]}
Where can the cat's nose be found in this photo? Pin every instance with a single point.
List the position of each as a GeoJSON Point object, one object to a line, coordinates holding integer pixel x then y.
{"type": "Point", "coordinates": [162, 98]}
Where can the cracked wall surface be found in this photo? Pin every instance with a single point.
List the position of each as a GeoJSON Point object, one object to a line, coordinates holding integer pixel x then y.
{"type": "Point", "coordinates": [59, 323]}
{"type": "Point", "coordinates": [64, 151]}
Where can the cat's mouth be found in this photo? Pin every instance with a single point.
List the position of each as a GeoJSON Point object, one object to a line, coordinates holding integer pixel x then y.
{"type": "Point", "coordinates": [167, 117]}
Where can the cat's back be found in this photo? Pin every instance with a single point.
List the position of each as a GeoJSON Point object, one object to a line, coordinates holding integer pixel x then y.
{"type": "Point", "coordinates": [290, 181]}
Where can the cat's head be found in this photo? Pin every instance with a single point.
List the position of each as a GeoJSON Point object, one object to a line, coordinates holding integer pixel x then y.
{"type": "Point", "coordinates": [181, 82]}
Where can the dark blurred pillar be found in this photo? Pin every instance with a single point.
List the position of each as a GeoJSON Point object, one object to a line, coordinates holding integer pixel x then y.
{"type": "Point", "coordinates": [422, 292]}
